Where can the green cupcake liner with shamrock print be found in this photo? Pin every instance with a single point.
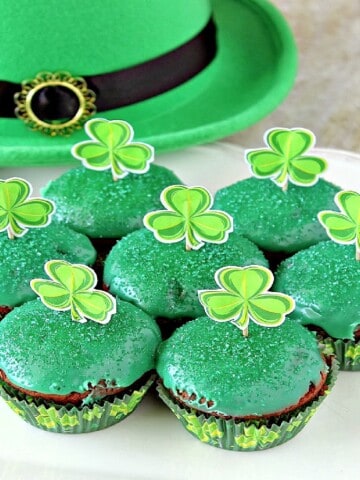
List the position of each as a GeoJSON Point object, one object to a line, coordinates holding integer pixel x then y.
{"type": "Point", "coordinates": [67, 419]}
{"type": "Point", "coordinates": [246, 436]}
{"type": "Point", "coordinates": [347, 352]}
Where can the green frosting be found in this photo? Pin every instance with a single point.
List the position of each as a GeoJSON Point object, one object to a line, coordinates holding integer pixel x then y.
{"type": "Point", "coordinates": [241, 376]}
{"type": "Point", "coordinates": [23, 258]}
{"type": "Point", "coordinates": [163, 279]}
{"type": "Point", "coordinates": [275, 220]}
{"type": "Point", "coordinates": [324, 281]}
{"type": "Point", "coordinates": [92, 203]}
{"type": "Point", "coordinates": [45, 351]}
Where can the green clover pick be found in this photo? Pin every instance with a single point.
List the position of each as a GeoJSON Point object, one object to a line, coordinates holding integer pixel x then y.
{"type": "Point", "coordinates": [243, 296]}
{"type": "Point", "coordinates": [344, 227]}
{"type": "Point", "coordinates": [17, 212]}
{"type": "Point", "coordinates": [111, 147]}
{"type": "Point", "coordinates": [188, 217]}
{"type": "Point", "coordinates": [286, 158]}
{"type": "Point", "coordinates": [72, 288]}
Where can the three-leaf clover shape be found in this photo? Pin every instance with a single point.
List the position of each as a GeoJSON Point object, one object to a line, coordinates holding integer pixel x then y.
{"type": "Point", "coordinates": [243, 296]}
{"type": "Point", "coordinates": [286, 158]}
{"type": "Point", "coordinates": [111, 147]}
{"type": "Point", "coordinates": [344, 227]}
{"type": "Point", "coordinates": [72, 288]}
{"type": "Point", "coordinates": [188, 217]}
{"type": "Point", "coordinates": [17, 212]}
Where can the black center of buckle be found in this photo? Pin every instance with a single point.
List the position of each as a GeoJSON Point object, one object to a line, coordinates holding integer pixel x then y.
{"type": "Point", "coordinates": [55, 104]}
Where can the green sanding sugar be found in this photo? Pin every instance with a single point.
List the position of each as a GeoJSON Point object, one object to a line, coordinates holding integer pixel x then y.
{"type": "Point", "coordinates": [163, 279]}
{"type": "Point", "coordinates": [324, 281]}
{"type": "Point", "coordinates": [23, 258]}
{"type": "Point", "coordinates": [46, 351]}
{"type": "Point", "coordinates": [277, 220]}
{"type": "Point", "coordinates": [92, 203]}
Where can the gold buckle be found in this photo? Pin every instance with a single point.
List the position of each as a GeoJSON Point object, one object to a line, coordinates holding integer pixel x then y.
{"type": "Point", "coordinates": [76, 85]}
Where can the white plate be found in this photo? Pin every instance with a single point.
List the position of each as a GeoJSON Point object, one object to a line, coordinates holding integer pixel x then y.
{"type": "Point", "coordinates": [151, 444]}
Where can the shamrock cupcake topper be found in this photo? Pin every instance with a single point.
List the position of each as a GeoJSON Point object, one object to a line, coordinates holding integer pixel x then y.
{"type": "Point", "coordinates": [72, 288]}
{"type": "Point", "coordinates": [111, 147]}
{"type": "Point", "coordinates": [188, 216]}
{"type": "Point", "coordinates": [344, 226]}
{"type": "Point", "coordinates": [244, 296]}
{"type": "Point", "coordinates": [18, 212]}
{"type": "Point", "coordinates": [286, 159]}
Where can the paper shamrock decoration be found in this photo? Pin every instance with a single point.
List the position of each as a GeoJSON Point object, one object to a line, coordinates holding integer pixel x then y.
{"type": "Point", "coordinates": [286, 159]}
{"type": "Point", "coordinates": [188, 216]}
{"type": "Point", "coordinates": [72, 288]}
{"type": "Point", "coordinates": [111, 147]}
{"type": "Point", "coordinates": [244, 296]}
{"type": "Point", "coordinates": [17, 212]}
{"type": "Point", "coordinates": [344, 227]}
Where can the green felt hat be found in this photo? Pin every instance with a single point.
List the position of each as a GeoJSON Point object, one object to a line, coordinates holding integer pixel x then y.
{"type": "Point", "coordinates": [182, 72]}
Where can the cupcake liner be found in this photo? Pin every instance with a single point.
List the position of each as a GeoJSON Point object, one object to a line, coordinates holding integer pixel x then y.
{"type": "Point", "coordinates": [69, 419]}
{"type": "Point", "coordinates": [249, 435]}
{"type": "Point", "coordinates": [347, 352]}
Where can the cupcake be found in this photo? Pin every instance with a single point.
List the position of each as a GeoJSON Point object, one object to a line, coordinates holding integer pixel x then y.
{"type": "Point", "coordinates": [274, 220]}
{"type": "Point", "coordinates": [324, 280]}
{"type": "Point", "coordinates": [62, 373]}
{"type": "Point", "coordinates": [158, 273]}
{"type": "Point", "coordinates": [28, 240]}
{"type": "Point", "coordinates": [246, 388]}
{"type": "Point", "coordinates": [109, 195]}
{"type": "Point", "coordinates": [281, 221]}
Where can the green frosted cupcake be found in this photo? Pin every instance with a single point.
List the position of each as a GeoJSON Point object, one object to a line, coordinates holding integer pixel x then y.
{"type": "Point", "coordinates": [28, 240]}
{"type": "Point", "coordinates": [64, 375]}
{"type": "Point", "coordinates": [277, 221]}
{"type": "Point", "coordinates": [23, 258]}
{"type": "Point", "coordinates": [117, 185]}
{"type": "Point", "coordinates": [242, 393]}
{"type": "Point", "coordinates": [92, 203]}
{"type": "Point", "coordinates": [163, 279]}
{"type": "Point", "coordinates": [239, 386]}
{"type": "Point", "coordinates": [278, 208]}
{"type": "Point", "coordinates": [324, 280]}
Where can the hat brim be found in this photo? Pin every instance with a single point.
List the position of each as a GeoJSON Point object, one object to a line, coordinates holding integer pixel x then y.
{"type": "Point", "coordinates": [253, 71]}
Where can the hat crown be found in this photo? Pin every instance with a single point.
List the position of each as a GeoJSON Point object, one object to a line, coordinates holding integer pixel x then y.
{"type": "Point", "coordinates": [92, 37]}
